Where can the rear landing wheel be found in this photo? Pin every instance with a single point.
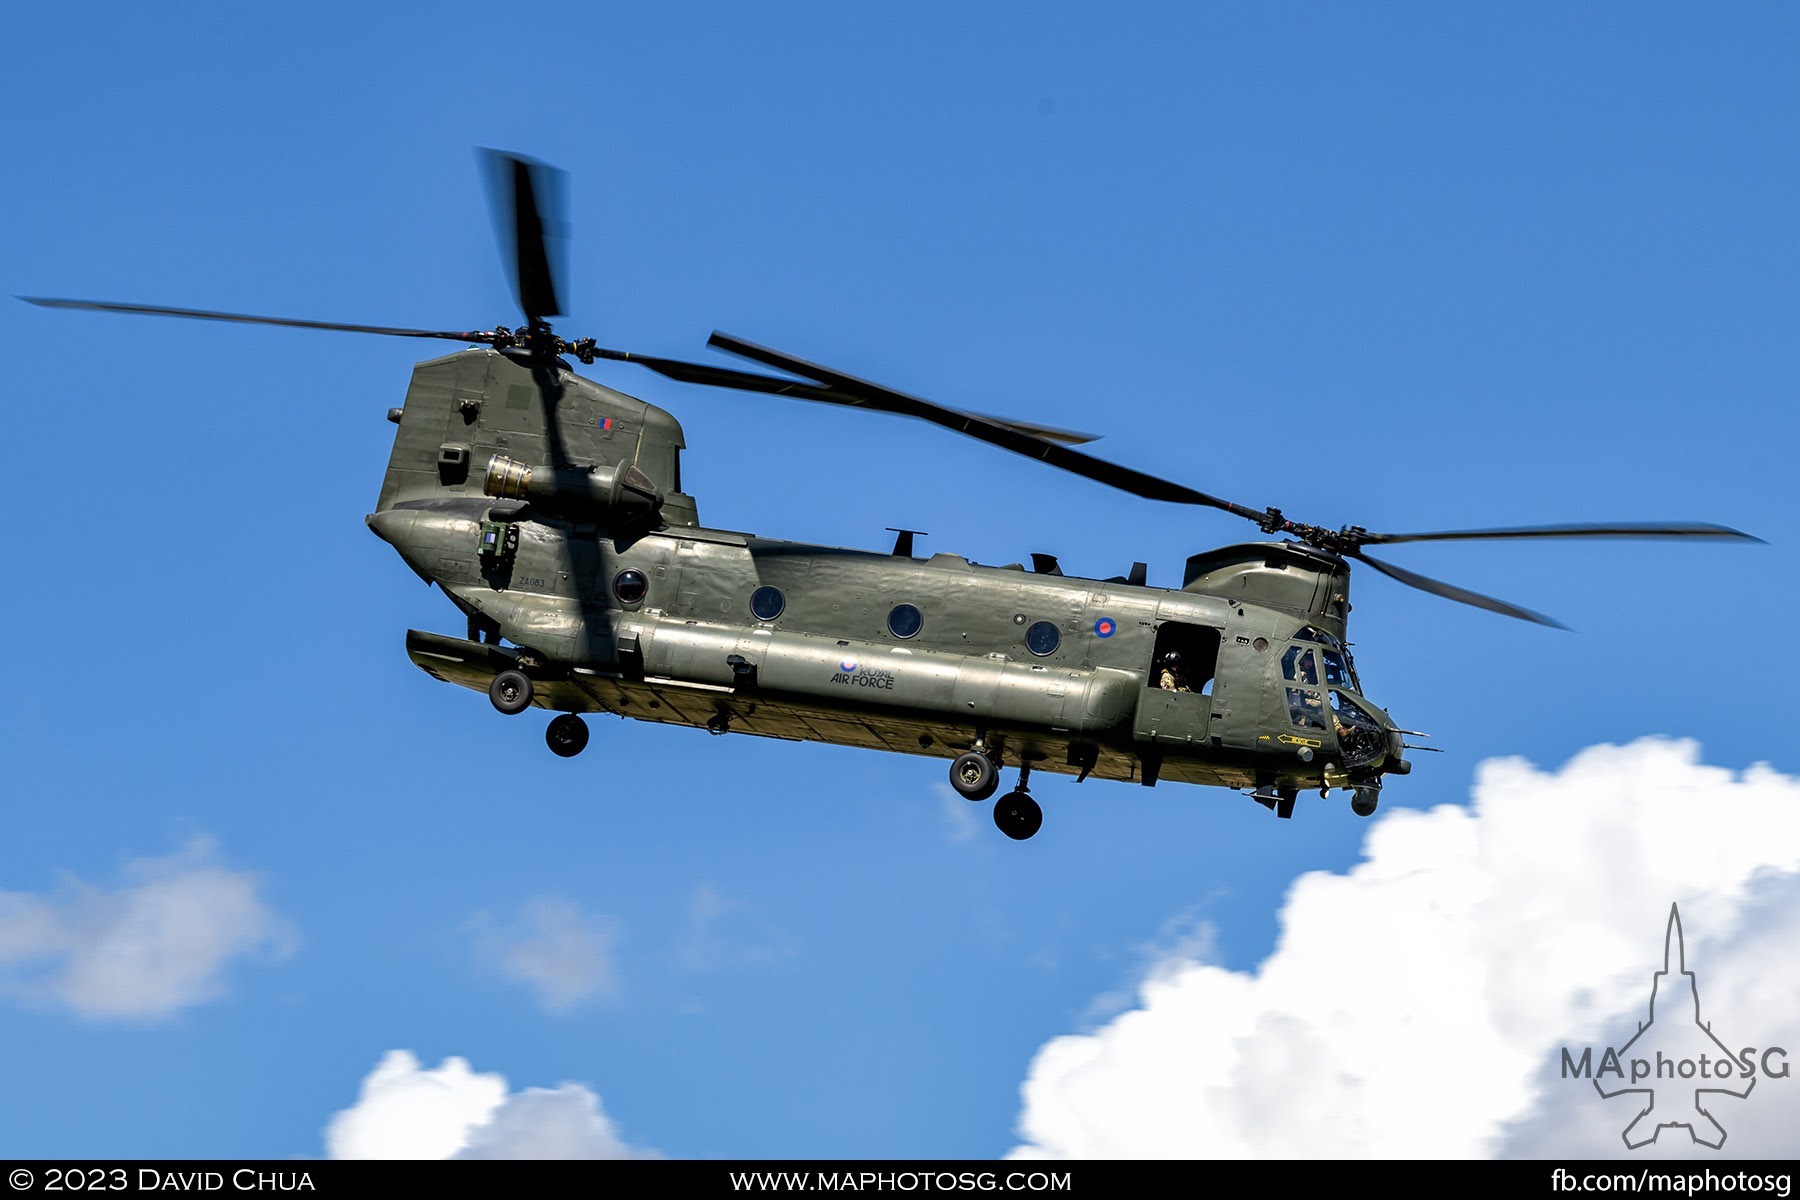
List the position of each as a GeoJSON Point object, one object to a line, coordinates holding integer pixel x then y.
{"type": "Point", "coordinates": [974, 776]}
{"type": "Point", "coordinates": [1018, 816]}
{"type": "Point", "coordinates": [510, 692]}
{"type": "Point", "coordinates": [567, 735]}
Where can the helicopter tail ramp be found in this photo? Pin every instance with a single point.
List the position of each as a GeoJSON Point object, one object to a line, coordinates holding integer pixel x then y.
{"type": "Point", "coordinates": [465, 409]}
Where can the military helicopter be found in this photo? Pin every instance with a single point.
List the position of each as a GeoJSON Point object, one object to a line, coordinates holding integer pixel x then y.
{"type": "Point", "coordinates": [551, 510]}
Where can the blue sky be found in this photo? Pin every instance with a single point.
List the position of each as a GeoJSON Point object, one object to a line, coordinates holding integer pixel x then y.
{"type": "Point", "coordinates": [1406, 266]}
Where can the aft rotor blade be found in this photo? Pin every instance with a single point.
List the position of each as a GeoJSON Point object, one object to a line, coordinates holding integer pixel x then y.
{"type": "Point", "coordinates": [199, 314]}
{"type": "Point", "coordinates": [688, 372]}
{"type": "Point", "coordinates": [1451, 592]}
{"type": "Point", "coordinates": [526, 197]}
{"type": "Point", "coordinates": [860, 393]}
{"type": "Point", "coordinates": [1684, 529]}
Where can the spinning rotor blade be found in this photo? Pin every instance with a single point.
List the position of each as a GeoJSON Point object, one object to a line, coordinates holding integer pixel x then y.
{"type": "Point", "coordinates": [1354, 539]}
{"type": "Point", "coordinates": [1451, 592]}
{"type": "Point", "coordinates": [860, 393]}
{"type": "Point", "coordinates": [1685, 529]}
{"type": "Point", "coordinates": [749, 381]}
{"type": "Point", "coordinates": [156, 310]}
{"type": "Point", "coordinates": [847, 389]}
{"type": "Point", "coordinates": [1050, 433]}
{"type": "Point", "coordinates": [686, 372]}
{"type": "Point", "coordinates": [526, 198]}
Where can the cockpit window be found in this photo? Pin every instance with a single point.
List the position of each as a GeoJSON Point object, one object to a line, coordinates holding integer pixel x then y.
{"type": "Point", "coordinates": [1306, 709]}
{"type": "Point", "coordinates": [1340, 668]}
{"type": "Point", "coordinates": [1299, 666]}
{"type": "Point", "coordinates": [1360, 739]}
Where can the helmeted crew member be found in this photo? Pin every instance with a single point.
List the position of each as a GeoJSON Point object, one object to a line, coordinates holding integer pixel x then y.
{"type": "Point", "coordinates": [1169, 677]}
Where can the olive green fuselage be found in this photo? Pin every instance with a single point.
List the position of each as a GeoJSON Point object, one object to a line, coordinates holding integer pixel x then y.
{"type": "Point", "coordinates": [670, 621]}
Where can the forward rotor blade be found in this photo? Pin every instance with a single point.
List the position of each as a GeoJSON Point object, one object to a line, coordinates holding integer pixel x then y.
{"type": "Point", "coordinates": [1684, 529]}
{"type": "Point", "coordinates": [526, 198]}
{"type": "Point", "coordinates": [860, 393]}
{"type": "Point", "coordinates": [1050, 433]}
{"type": "Point", "coordinates": [1451, 592]}
{"type": "Point", "coordinates": [198, 314]}
{"type": "Point", "coordinates": [749, 381]}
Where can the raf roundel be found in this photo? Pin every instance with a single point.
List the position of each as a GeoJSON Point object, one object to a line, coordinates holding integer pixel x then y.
{"type": "Point", "coordinates": [847, 666]}
{"type": "Point", "coordinates": [1104, 627]}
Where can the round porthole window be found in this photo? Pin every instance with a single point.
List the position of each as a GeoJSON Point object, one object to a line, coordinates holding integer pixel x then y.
{"type": "Point", "coordinates": [630, 587]}
{"type": "Point", "coordinates": [767, 603]}
{"type": "Point", "coordinates": [1043, 638]}
{"type": "Point", "coordinates": [905, 621]}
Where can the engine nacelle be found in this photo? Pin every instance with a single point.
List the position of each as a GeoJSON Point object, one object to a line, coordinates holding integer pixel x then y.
{"type": "Point", "coordinates": [621, 495]}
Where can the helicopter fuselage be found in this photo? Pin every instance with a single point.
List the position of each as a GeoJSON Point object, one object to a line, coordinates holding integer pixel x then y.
{"type": "Point", "coordinates": [1237, 680]}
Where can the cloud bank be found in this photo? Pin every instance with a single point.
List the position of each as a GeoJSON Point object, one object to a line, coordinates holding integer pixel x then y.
{"type": "Point", "coordinates": [1416, 1006]}
{"type": "Point", "coordinates": [554, 947]}
{"type": "Point", "coordinates": [404, 1111]}
{"type": "Point", "coordinates": [147, 949]}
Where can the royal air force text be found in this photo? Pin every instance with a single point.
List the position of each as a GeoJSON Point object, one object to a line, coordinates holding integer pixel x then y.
{"type": "Point", "coordinates": [883, 680]}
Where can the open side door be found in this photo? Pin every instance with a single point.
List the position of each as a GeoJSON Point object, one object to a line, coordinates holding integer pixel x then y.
{"type": "Point", "coordinates": [1175, 708]}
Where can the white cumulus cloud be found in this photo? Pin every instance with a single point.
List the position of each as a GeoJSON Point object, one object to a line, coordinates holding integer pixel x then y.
{"type": "Point", "coordinates": [404, 1111]}
{"type": "Point", "coordinates": [551, 944]}
{"type": "Point", "coordinates": [1417, 1006]}
{"type": "Point", "coordinates": [154, 945]}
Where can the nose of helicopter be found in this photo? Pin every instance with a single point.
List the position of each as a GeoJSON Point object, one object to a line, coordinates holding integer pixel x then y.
{"type": "Point", "coordinates": [1395, 763]}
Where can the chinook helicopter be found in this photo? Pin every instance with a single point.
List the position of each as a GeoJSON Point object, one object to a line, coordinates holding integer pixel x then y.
{"type": "Point", "coordinates": [551, 510]}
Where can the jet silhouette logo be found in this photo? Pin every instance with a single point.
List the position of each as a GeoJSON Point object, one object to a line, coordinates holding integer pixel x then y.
{"type": "Point", "coordinates": [1674, 1063]}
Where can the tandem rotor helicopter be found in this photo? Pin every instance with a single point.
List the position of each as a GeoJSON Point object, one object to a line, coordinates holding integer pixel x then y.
{"type": "Point", "coordinates": [550, 509]}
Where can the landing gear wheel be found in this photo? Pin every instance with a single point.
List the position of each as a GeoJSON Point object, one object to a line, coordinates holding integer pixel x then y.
{"type": "Point", "coordinates": [510, 692]}
{"type": "Point", "coordinates": [974, 776]}
{"type": "Point", "coordinates": [567, 735]}
{"type": "Point", "coordinates": [1018, 816]}
{"type": "Point", "coordinates": [1364, 801]}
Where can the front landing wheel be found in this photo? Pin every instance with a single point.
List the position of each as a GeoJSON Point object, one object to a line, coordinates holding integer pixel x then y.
{"type": "Point", "coordinates": [510, 692]}
{"type": "Point", "coordinates": [1018, 816]}
{"type": "Point", "coordinates": [567, 735]}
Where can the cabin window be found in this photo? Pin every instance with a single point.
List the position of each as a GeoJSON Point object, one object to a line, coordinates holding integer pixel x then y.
{"type": "Point", "coordinates": [905, 620]}
{"type": "Point", "coordinates": [1299, 666]}
{"type": "Point", "coordinates": [1043, 638]}
{"type": "Point", "coordinates": [630, 586]}
{"type": "Point", "coordinates": [1306, 709]}
{"type": "Point", "coordinates": [1337, 670]}
{"type": "Point", "coordinates": [767, 603]}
